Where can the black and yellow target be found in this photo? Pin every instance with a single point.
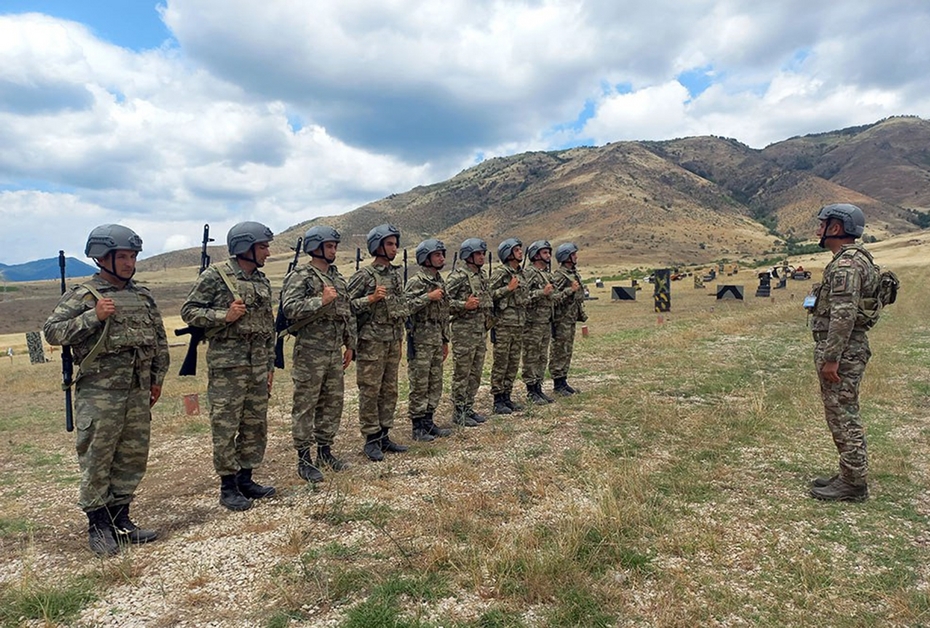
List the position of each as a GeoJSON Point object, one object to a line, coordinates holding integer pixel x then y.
{"type": "Point", "coordinates": [663, 290]}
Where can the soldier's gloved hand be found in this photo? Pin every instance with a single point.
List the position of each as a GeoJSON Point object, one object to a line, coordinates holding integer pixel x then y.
{"type": "Point", "coordinates": [104, 308]}
{"type": "Point", "coordinates": [236, 311]}
{"type": "Point", "coordinates": [435, 295]}
{"type": "Point", "coordinates": [329, 295]}
{"type": "Point", "coordinates": [472, 302]}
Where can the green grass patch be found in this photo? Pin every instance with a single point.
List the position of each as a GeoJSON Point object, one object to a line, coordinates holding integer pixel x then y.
{"type": "Point", "coordinates": [47, 603]}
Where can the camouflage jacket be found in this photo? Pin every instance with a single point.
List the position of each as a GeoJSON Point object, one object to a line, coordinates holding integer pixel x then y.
{"type": "Point", "coordinates": [246, 341]}
{"type": "Point", "coordinates": [569, 305]}
{"type": "Point", "coordinates": [539, 304]}
{"type": "Point", "coordinates": [509, 307]}
{"type": "Point", "coordinates": [461, 284]}
{"type": "Point", "coordinates": [134, 351]}
{"type": "Point", "coordinates": [429, 320]}
{"type": "Point", "coordinates": [327, 327]}
{"type": "Point", "coordinates": [850, 285]}
{"type": "Point", "coordinates": [384, 319]}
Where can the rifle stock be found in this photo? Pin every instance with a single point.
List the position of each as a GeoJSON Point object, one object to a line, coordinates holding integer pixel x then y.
{"type": "Point", "coordinates": [67, 360]}
{"type": "Point", "coordinates": [189, 366]}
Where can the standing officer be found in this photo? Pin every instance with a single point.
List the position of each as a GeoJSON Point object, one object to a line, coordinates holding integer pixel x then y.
{"type": "Point", "coordinates": [376, 294]}
{"type": "Point", "coordinates": [508, 290]}
{"type": "Point", "coordinates": [470, 315]}
{"type": "Point", "coordinates": [538, 328]}
{"type": "Point", "coordinates": [232, 302]}
{"type": "Point", "coordinates": [569, 298]}
{"type": "Point", "coordinates": [845, 307]}
{"type": "Point", "coordinates": [315, 300]}
{"type": "Point", "coordinates": [427, 338]}
{"type": "Point", "coordinates": [119, 343]}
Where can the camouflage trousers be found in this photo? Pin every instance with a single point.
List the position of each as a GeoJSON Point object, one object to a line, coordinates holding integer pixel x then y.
{"type": "Point", "coordinates": [535, 351]}
{"type": "Point", "coordinates": [468, 352]}
{"type": "Point", "coordinates": [508, 346]}
{"type": "Point", "coordinates": [424, 374]}
{"type": "Point", "coordinates": [319, 393]}
{"type": "Point", "coordinates": [238, 416]}
{"type": "Point", "coordinates": [376, 375]}
{"type": "Point", "coordinates": [113, 429]}
{"type": "Point", "coordinates": [560, 352]}
{"type": "Point", "coordinates": [841, 407]}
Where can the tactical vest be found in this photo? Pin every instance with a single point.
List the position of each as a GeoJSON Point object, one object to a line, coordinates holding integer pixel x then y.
{"type": "Point", "coordinates": [541, 310]}
{"type": "Point", "coordinates": [258, 320]}
{"type": "Point", "coordinates": [435, 312]}
{"type": "Point", "coordinates": [870, 304]}
{"type": "Point", "coordinates": [337, 310]}
{"type": "Point", "coordinates": [130, 327]}
{"type": "Point", "coordinates": [393, 307]}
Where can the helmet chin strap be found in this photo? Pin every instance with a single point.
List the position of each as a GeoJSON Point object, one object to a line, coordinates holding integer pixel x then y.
{"type": "Point", "coordinates": [112, 271]}
{"type": "Point", "coordinates": [251, 259]}
{"type": "Point", "coordinates": [322, 257]}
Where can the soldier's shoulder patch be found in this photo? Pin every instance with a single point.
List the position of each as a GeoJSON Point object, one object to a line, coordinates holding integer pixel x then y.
{"type": "Point", "coordinates": [839, 283]}
{"type": "Point", "coordinates": [844, 261]}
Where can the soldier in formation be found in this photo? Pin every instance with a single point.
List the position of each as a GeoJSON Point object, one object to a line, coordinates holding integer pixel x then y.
{"type": "Point", "coordinates": [846, 306]}
{"type": "Point", "coordinates": [377, 298]}
{"type": "Point", "coordinates": [232, 302]}
{"type": "Point", "coordinates": [470, 315]}
{"type": "Point", "coordinates": [315, 300]}
{"type": "Point", "coordinates": [509, 294]}
{"type": "Point", "coordinates": [427, 339]}
{"type": "Point", "coordinates": [118, 339]}
{"type": "Point", "coordinates": [569, 310]}
{"type": "Point", "coordinates": [538, 328]}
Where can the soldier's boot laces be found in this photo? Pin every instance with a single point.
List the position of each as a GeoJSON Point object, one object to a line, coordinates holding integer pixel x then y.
{"type": "Point", "coordinates": [387, 445]}
{"type": "Point", "coordinates": [420, 431]}
{"type": "Point", "coordinates": [500, 405]}
{"type": "Point", "coordinates": [841, 491]}
{"type": "Point", "coordinates": [230, 496]}
{"type": "Point", "coordinates": [474, 416]}
{"type": "Point", "coordinates": [324, 455]}
{"type": "Point", "coordinates": [250, 488]}
{"type": "Point", "coordinates": [373, 447]}
{"type": "Point", "coordinates": [561, 387]}
{"type": "Point", "coordinates": [127, 531]}
{"type": "Point", "coordinates": [822, 480]}
{"type": "Point", "coordinates": [461, 417]}
{"type": "Point", "coordinates": [433, 429]}
{"type": "Point", "coordinates": [513, 405]}
{"type": "Point", "coordinates": [306, 470]}
{"type": "Point", "coordinates": [100, 535]}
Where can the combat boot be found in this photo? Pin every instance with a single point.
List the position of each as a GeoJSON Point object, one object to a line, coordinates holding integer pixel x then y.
{"type": "Point", "coordinates": [535, 396]}
{"type": "Point", "coordinates": [100, 535]}
{"type": "Point", "coordinates": [373, 447]}
{"type": "Point", "coordinates": [230, 497]}
{"type": "Point", "coordinates": [390, 446]}
{"type": "Point", "coordinates": [252, 489]}
{"type": "Point", "coordinates": [128, 532]}
{"type": "Point", "coordinates": [841, 491]}
{"type": "Point", "coordinates": [420, 430]}
{"type": "Point", "coordinates": [561, 387]}
{"type": "Point", "coordinates": [513, 405]}
{"type": "Point", "coordinates": [325, 456]}
{"type": "Point", "coordinates": [433, 429]}
{"type": "Point", "coordinates": [306, 470]}
{"type": "Point", "coordinates": [474, 416]}
{"type": "Point", "coordinates": [824, 481]}
{"type": "Point", "coordinates": [539, 391]}
{"type": "Point", "coordinates": [461, 417]}
{"type": "Point", "coordinates": [500, 404]}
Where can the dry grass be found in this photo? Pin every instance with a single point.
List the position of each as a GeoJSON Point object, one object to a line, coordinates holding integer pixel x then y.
{"type": "Point", "coordinates": [672, 492]}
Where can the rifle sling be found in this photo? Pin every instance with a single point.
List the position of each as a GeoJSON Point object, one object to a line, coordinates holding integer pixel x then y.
{"type": "Point", "coordinates": [225, 276]}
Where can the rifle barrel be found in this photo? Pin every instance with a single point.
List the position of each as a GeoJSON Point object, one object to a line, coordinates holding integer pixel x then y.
{"type": "Point", "coordinates": [67, 361]}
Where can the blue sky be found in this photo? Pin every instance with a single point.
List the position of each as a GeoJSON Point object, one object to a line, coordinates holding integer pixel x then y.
{"type": "Point", "coordinates": [283, 110]}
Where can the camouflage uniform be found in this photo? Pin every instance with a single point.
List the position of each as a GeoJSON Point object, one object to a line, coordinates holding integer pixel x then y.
{"type": "Point", "coordinates": [569, 310]}
{"type": "Point", "coordinates": [840, 319]}
{"type": "Point", "coordinates": [380, 332]}
{"type": "Point", "coordinates": [538, 328]}
{"type": "Point", "coordinates": [510, 316]}
{"type": "Point", "coordinates": [321, 331]}
{"type": "Point", "coordinates": [113, 392]}
{"type": "Point", "coordinates": [469, 331]}
{"type": "Point", "coordinates": [427, 332]}
{"type": "Point", "coordinates": [240, 357]}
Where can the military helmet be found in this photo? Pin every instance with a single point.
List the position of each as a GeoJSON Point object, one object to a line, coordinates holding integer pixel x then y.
{"type": "Point", "coordinates": [534, 249]}
{"type": "Point", "coordinates": [852, 217]}
{"type": "Point", "coordinates": [472, 245]}
{"type": "Point", "coordinates": [243, 235]}
{"type": "Point", "coordinates": [107, 238]}
{"type": "Point", "coordinates": [427, 247]}
{"type": "Point", "coordinates": [565, 251]}
{"type": "Point", "coordinates": [316, 236]}
{"type": "Point", "coordinates": [505, 248]}
{"type": "Point", "coordinates": [377, 235]}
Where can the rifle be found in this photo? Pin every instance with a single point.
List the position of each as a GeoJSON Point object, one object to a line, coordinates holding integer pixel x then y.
{"type": "Point", "coordinates": [455, 258]}
{"type": "Point", "coordinates": [280, 321]}
{"type": "Point", "coordinates": [67, 361]}
{"type": "Point", "coordinates": [189, 366]}
{"type": "Point", "coordinates": [358, 258]}
{"type": "Point", "coordinates": [405, 267]}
